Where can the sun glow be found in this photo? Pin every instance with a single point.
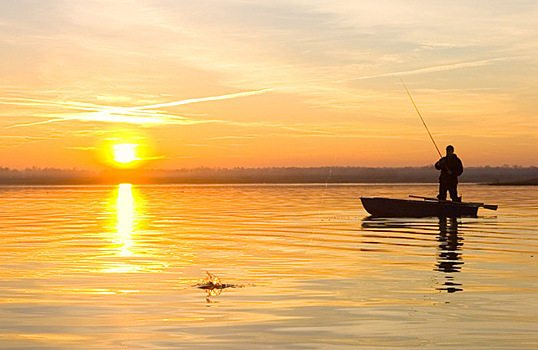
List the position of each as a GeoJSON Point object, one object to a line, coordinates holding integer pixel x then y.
{"type": "Point", "coordinates": [125, 153]}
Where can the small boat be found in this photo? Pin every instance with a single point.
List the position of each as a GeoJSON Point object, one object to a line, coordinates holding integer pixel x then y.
{"type": "Point", "coordinates": [390, 207]}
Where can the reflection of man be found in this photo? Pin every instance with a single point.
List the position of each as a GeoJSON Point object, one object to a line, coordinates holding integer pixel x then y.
{"type": "Point", "coordinates": [449, 246]}
{"type": "Point", "coordinates": [449, 257]}
{"type": "Point", "coordinates": [451, 167]}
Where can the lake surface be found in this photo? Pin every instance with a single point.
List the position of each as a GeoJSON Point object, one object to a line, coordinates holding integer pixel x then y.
{"type": "Point", "coordinates": [117, 267]}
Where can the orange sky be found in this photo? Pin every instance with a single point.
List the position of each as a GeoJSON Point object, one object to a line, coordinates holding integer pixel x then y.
{"type": "Point", "coordinates": [267, 83]}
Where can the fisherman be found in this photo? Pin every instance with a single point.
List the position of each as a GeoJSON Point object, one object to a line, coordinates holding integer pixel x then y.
{"type": "Point", "coordinates": [451, 167]}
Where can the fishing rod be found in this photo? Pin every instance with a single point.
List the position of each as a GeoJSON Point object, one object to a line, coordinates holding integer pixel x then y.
{"type": "Point", "coordinates": [423, 122]}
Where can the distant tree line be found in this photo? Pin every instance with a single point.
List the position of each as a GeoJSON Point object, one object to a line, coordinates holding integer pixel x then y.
{"type": "Point", "coordinates": [204, 175]}
{"type": "Point", "coordinates": [46, 176]}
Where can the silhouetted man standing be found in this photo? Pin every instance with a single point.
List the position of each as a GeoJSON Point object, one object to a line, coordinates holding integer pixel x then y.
{"type": "Point", "coordinates": [451, 167]}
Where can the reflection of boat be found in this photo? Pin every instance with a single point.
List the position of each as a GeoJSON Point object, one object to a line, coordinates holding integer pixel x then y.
{"type": "Point", "coordinates": [390, 207]}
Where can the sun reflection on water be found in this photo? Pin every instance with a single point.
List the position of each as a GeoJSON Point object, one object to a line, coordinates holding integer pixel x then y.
{"type": "Point", "coordinates": [125, 204]}
{"type": "Point", "coordinates": [131, 251]}
{"type": "Point", "coordinates": [124, 231]}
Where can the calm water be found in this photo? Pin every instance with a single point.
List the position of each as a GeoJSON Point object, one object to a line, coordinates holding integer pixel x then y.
{"type": "Point", "coordinates": [115, 268]}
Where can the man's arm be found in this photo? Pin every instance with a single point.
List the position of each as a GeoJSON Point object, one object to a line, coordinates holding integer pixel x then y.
{"type": "Point", "coordinates": [440, 164]}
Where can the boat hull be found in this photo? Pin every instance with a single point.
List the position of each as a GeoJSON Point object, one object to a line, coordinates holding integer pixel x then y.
{"type": "Point", "coordinates": [389, 207]}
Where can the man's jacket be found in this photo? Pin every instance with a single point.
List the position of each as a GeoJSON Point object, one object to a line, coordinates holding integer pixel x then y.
{"type": "Point", "coordinates": [451, 167]}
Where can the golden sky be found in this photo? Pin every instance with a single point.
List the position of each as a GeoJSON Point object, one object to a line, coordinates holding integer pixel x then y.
{"type": "Point", "coordinates": [267, 83]}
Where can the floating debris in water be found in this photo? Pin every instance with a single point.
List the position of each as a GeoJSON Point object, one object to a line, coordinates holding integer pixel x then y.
{"type": "Point", "coordinates": [213, 285]}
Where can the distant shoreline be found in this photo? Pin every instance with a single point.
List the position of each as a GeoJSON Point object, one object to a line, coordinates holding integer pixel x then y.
{"type": "Point", "coordinates": [519, 176]}
{"type": "Point", "coordinates": [114, 184]}
{"type": "Point", "coordinates": [530, 182]}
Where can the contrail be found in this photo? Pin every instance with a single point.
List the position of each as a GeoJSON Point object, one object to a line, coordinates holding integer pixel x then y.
{"type": "Point", "coordinates": [431, 69]}
{"type": "Point", "coordinates": [203, 99]}
{"type": "Point", "coordinates": [37, 123]}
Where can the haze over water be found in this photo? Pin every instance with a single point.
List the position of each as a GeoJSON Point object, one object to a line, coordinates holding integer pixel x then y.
{"type": "Point", "coordinates": [116, 267]}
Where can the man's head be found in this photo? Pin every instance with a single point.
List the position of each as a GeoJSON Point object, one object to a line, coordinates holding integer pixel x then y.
{"type": "Point", "coordinates": [449, 150]}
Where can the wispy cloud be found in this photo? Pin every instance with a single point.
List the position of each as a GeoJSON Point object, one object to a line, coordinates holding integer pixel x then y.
{"type": "Point", "coordinates": [16, 140]}
{"type": "Point", "coordinates": [81, 148]}
{"type": "Point", "coordinates": [147, 115]}
{"type": "Point", "coordinates": [23, 137]}
{"type": "Point", "coordinates": [140, 115]}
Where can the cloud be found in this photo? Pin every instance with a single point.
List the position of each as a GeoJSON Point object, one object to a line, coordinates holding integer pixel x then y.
{"type": "Point", "coordinates": [81, 148]}
{"type": "Point", "coordinates": [131, 115]}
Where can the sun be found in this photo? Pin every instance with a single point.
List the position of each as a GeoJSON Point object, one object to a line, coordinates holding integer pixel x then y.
{"type": "Point", "coordinates": [125, 153]}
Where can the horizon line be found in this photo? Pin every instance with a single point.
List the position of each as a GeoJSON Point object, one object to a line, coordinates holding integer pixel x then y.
{"type": "Point", "coordinates": [34, 168]}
